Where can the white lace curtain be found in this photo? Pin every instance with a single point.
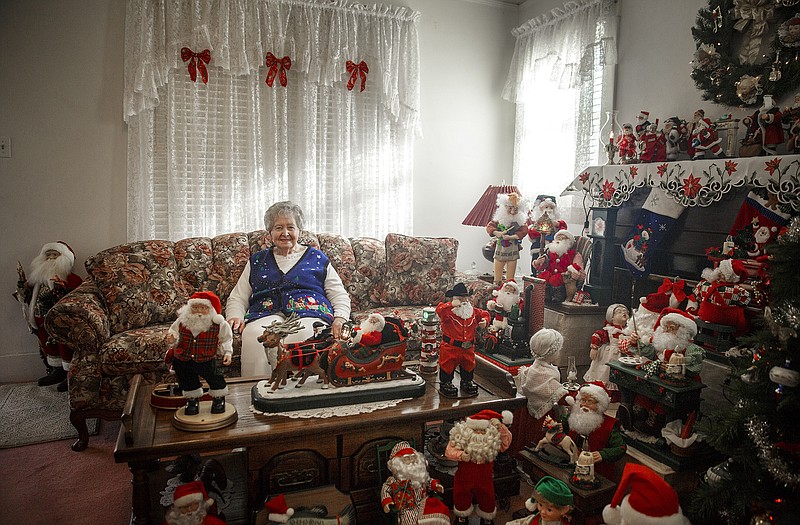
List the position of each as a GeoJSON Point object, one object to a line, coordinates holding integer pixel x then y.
{"type": "Point", "coordinates": [561, 78]}
{"type": "Point", "coordinates": [209, 158]}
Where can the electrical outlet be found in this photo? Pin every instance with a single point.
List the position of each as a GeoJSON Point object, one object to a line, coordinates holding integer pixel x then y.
{"type": "Point", "coordinates": [5, 147]}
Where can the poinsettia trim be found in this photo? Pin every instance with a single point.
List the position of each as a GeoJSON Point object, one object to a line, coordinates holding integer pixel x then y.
{"type": "Point", "coordinates": [773, 165]}
{"type": "Point", "coordinates": [634, 170]}
{"type": "Point", "coordinates": [691, 186]}
{"type": "Point", "coordinates": [584, 176]}
{"type": "Point", "coordinates": [277, 68]}
{"type": "Point", "coordinates": [196, 62]}
{"type": "Point", "coordinates": [662, 169]}
{"type": "Point", "coordinates": [730, 167]}
{"type": "Point", "coordinates": [608, 190]}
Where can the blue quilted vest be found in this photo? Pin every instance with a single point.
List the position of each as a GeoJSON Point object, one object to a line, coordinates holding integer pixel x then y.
{"type": "Point", "coordinates": [299, 290]}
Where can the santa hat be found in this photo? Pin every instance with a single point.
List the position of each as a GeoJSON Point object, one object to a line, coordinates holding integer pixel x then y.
{"type": "Point", "coordinates": [596, 391]}
{"type": "Point", "coordinates": [60, 247]}
{"type": "Point", "coordinates": [510, 282]}
{"type": "Point", "coordinates": [192, 492]}
{"type": "Point", "coordinates": [651, 500]}
{"type": "Point", "coordinates": [655, 302]}
{"type": "Point", "coordinates": [435, 513]}
{"type": "Point", "coordinates": [402, 448]}
{"type": "Point", "coordinates": [565, 233]}
{"type": "Point", "coordinates": [546, 342]}
{"type": "Point", "coordinates": [277, 510]}
{"type": "Point", "coordinates": [679, 317]}
{"type": "Point", "coordinates": [644, 115]}
{"type": "Point", "coordinates": [211, 300]}
{"type": "Point", "coordinates": [483, 418]}
{"type": "Point", "coordinates": [611, 309]}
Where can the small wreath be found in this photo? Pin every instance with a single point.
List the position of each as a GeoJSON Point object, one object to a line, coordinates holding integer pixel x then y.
{"type": "Point", "coordinates": [731, 65]}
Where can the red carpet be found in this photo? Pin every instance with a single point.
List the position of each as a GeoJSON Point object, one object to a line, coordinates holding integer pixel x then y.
{"type": "Point", "coordinates": [49, 483]}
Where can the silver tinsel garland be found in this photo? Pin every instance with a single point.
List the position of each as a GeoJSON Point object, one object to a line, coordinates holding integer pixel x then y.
{"type": "Point", "coordinates": [792, 233]}
{"type": "Point", "coordinates": [759, 433]}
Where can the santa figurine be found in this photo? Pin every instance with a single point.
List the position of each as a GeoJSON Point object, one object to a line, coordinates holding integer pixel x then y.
{"type": "Point", "coordinates": [551, 503]}
{"type": "Point", "coordinates": [643, 320]}
{"type": "Point", "coordinates": [604, 346]}
{"type": "Point", "coordinates": [459, 321]}
{"type": "Point", "coordinates": [190, 506]}
{"type": "Point", "coordinates": [674, 332]}
{"type": "Point", "coordinates": [197, 337]}
{"type": "Point", "coordinates": [768, 118]}
{"type": "Point", "coordinates": [543, 226]}
{"type": "Point", "coordinates": [407, 489]}
{"type": "Point", "coordinates": [627, 145]}
{"type": "Point", "coordinates": [507, 228]}
{"type": "Point", "coordinates": [720, 296]}
{"type": "Point", "coordinates": [592, 430]}
{"type": "Point", "coordinates": [369, 332]}
{"type": "Point", "coordinates": [643, 496]}
{"type": "Point", "coordinates": [561, 267]}
{"type": "Point", "coordinates": [51, 278]}
{"type": "Point", "coordinates": [705, 140]}
{"type": "Point", "coordinates": [642, 123]}
{"type": "Point", "coordinates": [507, 303]}
{"type": "Point", "coordinates": [277, 510]}
{"type": "Point", "coordinates": [474, 444]}
{"type": "Point", "coordinates": [652, 145]}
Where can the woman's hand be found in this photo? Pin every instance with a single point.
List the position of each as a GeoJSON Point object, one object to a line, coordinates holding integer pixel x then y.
{"type": "Point", "coordinates": [237, 324]}
{"type": "Point", "coordinates": [336, 327]}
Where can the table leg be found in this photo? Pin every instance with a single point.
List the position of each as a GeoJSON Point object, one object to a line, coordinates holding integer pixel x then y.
{"type": "Point", "coordinates": [140, 501]}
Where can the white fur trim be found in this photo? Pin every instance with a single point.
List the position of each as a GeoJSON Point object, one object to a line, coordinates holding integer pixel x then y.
{"type": "Point", "coordinates": [54, 361]}
{"type": "Point", "coordinates": [485, 515]}
{"type": "Point", "coordinates": [218, 318]}
{"type": "Point", "coordinates": [193, 394]}
{"type": "Point", "coordinates": [631, 515]}
{"type": "Point", "coordinates": [281, 518]}
{"type": "Point", "coordinates": [612, 515]}
{"type": "Point", "coordinates": [477, 423]}
{"type": "Point", "coordinates": [508, 417]}
{"type": "Point", "coordinates": [681, 320]}
{"type": "Point", "coordinates": [222, 392]}
{"type": "Point", "coordinates": [530, 504]}
{"type": "Point", "coordinates": [194, 497]}
{"type": "Point", "coordinates": [463, 513]}
{"type": "Point", "coordinates": [597, 392]}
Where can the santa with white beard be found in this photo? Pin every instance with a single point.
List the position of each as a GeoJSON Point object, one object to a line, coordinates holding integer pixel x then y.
{"type": "Point", "coordinates": [561, 267]}
{"type": "Point", "coordinates": [190, 506]}
{"type": "Point", "coordinates": [507, 303]}
{"type": "Point", "coordinates": [50, 279]}
{"type": "Point", "coordinates": [406, 490]}
{"type": "Point", "coordinates": [722, 297]}
{"type": "Point", "coordinates": [475, 443]}
{"type": "Point", "coordinates": [369, 331]}
{"type": "Point", "coordinates": [643, 320]}
{"type": "Point", "coordinates": [460, 320]}
{"type": "Point", "coordinates": [507, 228]}
{"type": "Point", "coordinates": [589, 427]}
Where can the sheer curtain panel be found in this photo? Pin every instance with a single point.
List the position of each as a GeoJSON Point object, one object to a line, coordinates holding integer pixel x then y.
{"type": "Point", "coordinates": [232, 105]}
{"type": "Point", "coordinates": [561, 79]}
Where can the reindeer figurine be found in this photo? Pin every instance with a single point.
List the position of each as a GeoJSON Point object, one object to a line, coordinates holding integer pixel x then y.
{"type": "Point", "coordinates": [556, 437]}
{"type": "Point", "coordinates": [296, 357]}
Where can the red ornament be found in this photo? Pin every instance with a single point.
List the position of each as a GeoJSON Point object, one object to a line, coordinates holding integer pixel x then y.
{"type": "Point", "coordinates": [197, 62]}
{"type": "Point", "coordinates": [355, 70]}
{"type": "Point", "coordinates": [277, 67]}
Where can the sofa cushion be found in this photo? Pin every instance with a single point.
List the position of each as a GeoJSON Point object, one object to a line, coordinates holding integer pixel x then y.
{"type": "Point", "coordinates": [139, 283]}
{"type": "Point", "coordinates": [366, 287]}
{"type": "Point", "coordinates": [419, 270]}
{"type": "Point", "coordinates": [193, 259]}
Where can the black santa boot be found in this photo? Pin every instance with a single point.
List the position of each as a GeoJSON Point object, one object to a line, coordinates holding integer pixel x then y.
{"type": "Point", "coordinates": [446, 384]}
{"type": "Point", "coordinates": [218, 405]}
{"type": "Point", "coordinates": [468, 386]}
{"type": "Point", "coordinates": [192, 406]}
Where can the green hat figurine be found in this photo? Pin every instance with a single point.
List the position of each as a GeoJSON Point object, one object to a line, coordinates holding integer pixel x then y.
{"type": "Point", "coordinates": [552, 498]}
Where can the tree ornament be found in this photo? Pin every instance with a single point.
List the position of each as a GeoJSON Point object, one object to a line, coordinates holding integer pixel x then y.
{"type": "Point", "coordinates": [747, 37]}
{"type": "Point", "coordinates": [761, 519]}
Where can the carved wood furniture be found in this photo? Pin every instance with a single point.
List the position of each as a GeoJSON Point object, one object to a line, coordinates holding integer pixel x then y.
{"type": "Point", "coordinates": [285, 454]}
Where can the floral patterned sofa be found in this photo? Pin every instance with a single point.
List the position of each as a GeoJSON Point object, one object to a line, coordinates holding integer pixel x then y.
{"type": "Point", "coordinates": [117, 320]}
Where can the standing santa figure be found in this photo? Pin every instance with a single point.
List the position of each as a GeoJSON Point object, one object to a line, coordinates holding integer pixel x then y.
{"type": "Point", "coordinates": [50, 279]}
{"type": "Point", "coordinates": [508, 228]}
{"type": "Point", "coordinates": [475, 443]}
{"type": "Point", "coordinates": [705, 140]}
{"type": "Point", "coordinates": [406, 490]}
{"type": "Point", "coordinates": [199, 334]}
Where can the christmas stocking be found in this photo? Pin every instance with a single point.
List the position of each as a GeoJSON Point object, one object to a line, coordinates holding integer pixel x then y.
{"type": "Point", "coordinates": [658, 215]}
{"type": "Point", "coordinates": [759, 220]}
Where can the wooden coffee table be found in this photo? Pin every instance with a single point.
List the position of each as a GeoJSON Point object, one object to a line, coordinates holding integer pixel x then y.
{"type": "Point", "coordinates": [285, 454]}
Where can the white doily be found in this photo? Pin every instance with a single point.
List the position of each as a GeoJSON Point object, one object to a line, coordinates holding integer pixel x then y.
{"type": "Point", "coordinates": [325, 412]}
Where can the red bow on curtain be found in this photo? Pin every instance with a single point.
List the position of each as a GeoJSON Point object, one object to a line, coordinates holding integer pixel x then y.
{"type": "Point", "coordinates": [197, 61]}
{"type": "Point", "coordinates": [675, 288]}
{"type": "Point", "coordinates": [278, 67]}
{"type": "Point", "coordinates": [354, 70]}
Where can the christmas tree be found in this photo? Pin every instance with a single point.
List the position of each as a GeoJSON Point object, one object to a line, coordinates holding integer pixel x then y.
{"type": "Point", "coordinates": [759, 433]}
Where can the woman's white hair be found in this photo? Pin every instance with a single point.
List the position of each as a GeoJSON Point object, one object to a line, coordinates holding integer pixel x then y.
{"type": "Point", "coordinates": [284, 208]}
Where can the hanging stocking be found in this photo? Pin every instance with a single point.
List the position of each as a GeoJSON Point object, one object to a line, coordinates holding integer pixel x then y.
{"type": "Point", "coordinates": [656, 218]}
{"type": "Point", "coordinates": [759, 220]}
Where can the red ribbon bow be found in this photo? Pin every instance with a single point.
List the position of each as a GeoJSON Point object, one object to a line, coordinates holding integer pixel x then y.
{"type": "Point", "coordinates": [676, 288]}
{"type": "Point", "coordinates": [278, 66]}
{"type": "Point", "coordinates": [197, 61]}
{"type": "Point", "coordinates": [354, 70]}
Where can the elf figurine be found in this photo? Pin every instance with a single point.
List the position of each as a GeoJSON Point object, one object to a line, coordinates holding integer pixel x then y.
{"type": "Point", "coordinates": [197, 336]}
{"type": "Point", "coordinates": [508, 226]}
{"type": "Point", "coordinates": [551, 503]}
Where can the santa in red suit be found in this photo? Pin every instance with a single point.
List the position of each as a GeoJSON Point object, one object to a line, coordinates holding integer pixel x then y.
{"type": "Point", "coordinates": [190, 506]}
{"type": "Point", "coordinates": [475, 443]}
{"type": "Point", "coordinates": [561, 267]}
{"type": "Point", "coordinates": [50, 279]}
{"type": "Point", "coordinates": [406, 490]}
{"type": "Point", "coordinates": [722, 297]}
{"type": "Point", "coordinates": [459, 320]}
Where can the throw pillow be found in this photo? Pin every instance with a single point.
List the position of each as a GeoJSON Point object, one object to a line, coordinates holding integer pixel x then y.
{"type": "Point", "coordinates": [138, 282]}
{"type": "Point", "coordinates": [419, 270]}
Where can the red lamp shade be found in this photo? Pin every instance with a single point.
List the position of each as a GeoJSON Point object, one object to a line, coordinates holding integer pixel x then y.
{"type": "Point", "coordinates": [483, 211]}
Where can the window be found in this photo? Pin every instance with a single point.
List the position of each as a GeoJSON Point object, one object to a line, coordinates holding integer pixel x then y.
{"type": "Point", "coordinates": [209, 158]}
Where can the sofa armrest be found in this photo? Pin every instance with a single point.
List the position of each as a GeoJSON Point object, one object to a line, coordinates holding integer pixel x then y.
{"type": "Point", "coordinates": [80, 320]}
